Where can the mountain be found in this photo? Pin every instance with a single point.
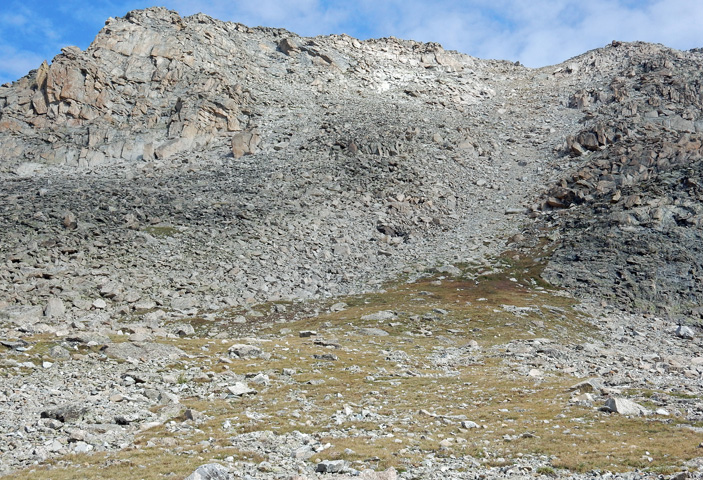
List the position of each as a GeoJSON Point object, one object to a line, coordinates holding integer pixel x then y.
{"type": "Point", "coordinates": [185, 169]}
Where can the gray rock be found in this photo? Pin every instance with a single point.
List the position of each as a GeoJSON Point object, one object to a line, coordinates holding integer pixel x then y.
{"type": "Point", "coordinates": [261, 379]}
{"type": "Point", "coordinates": [21, 314]}
{"type": "Point", "coordinates": [66, 413]}
{"type": "Point", "coordinates": [380, 316]}
{"type": "Point", "coordinates": [594, 385]}
{"type": "Point", "coordinates": [54, 308]}
{"type": "Point", "coordinates": [183, 303]}
{"type": "Point", "coordinates": [374, 332]}
{"type": "Point", "coordinates": [303, 453]}
{"type": "Point", "coordinates": [623, 406]}
{"type": "Point", "coordinates": [82, 447]}
{"type": "Point", "coordinates": [245, 351]}
{"type": "Point", "coordinates": [69, 221]}
{"type": "Point", "coordinates": [469, 424]}
{"type": "Point", "coordinates": [245, 143]}
{"type": "Point", "coordinates": [59, 353]}
{"type": "Point", "coordinates": [330, 357]}
{"type": "Point", "coordinates": [450, 269]}
{"type": "Point", "coordinates": [338, 307]}
{"type": "Point", "coordinates": [144, 351]}
{"type": "Point", "coordinates": [210, 471]}
{"type": "Point", "coordinates": [289, 45]}
{"type": "Point", "coordinates": [184, 330]}
{"type": "Point", "coordinates": [88, 338]}
{"type": "Point", "coordinates": [682, 331]}
{"type": "Point", "coordinates": [99, 304]}
{"type": "Point", "coordinates": [331, 466]}
{"type": "Point", "coordinates": [240, 388]}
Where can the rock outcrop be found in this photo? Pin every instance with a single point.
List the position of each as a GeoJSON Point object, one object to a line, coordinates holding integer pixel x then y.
{"type": "Point", "coordinates": [635, 235]}
{"type": "Point", "coordinates": [252, 163]}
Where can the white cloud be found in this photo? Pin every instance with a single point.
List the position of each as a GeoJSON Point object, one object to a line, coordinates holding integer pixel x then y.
{"type": "Point", "coordinates": [305, 17]}
{"type": "Point", "coordinates": [15, 19]}
{"type": "Point", "coordinates": [16, 63]}
{"type": "Point", "coordinates": [540, 32]}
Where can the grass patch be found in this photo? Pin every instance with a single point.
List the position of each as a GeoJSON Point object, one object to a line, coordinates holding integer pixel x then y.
{"type": "Point", "coordinates": [399, 388]}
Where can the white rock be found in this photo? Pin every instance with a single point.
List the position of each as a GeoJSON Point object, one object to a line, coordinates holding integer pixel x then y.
{"type": "Point", "coordinates": [54, 308]}
{"type": "Point", "coordinates": [380, 316]}
{"type": "Point", "coordinates": [244, 351]}
{"type": "Point", "coordinates": [683, 331]}
{"type": "Point", "coordinates": [240, 388]}
{"type": "Point", "coordinates": [210, 471]}
{"type": "Point", "coordinates": [623, 406]}
{"type": "Point", "coordinates": [82, 447]}
{"type": "Point", "coordinates": [99, 304]}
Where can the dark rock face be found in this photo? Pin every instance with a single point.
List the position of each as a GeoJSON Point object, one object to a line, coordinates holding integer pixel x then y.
{"type": "Point", "coordinates": [647, 257]}
{"type": "Point", "coordinates": [635, 237]}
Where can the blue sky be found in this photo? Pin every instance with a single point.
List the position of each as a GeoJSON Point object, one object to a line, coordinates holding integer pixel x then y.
{"type": "Point", "coordinates": [535, 32]}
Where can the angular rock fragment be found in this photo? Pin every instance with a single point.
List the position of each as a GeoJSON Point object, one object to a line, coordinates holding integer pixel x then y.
{"type": "Point", "coordinates": [240, 388]}
{"type": "Point", "coordinates": [592, 385]}
{"type": "Point", "coordinates": [245, 143]}
{"type": "Point", "coordinates": [245, 351]}
{"type": "Point", "coordinates": [685, 332]}
{"type": "Point", "coordinates": [623, 406]}
{"type": "Point", "coordinates": [380, 316]}
{"type": "Point", "coordinates": [54, 308]}
{"type": "Point", "coordinates": [331, 466]}
{"type": "Point", "coordinates": [66, 413]}
{"type": "Point", "coordinates": [210, 471]}
{"type": "Point", "coordinates": [144, 351]}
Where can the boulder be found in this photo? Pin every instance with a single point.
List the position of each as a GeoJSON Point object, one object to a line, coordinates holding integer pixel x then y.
{"type": "Point", "coordinates": [245, 143]}
{"type": "Point", "coordinates": [289, 45]}
{"type": "Point", "coordinates": [682, 331]}
{"type": "Point", "coordinates": [245, 351]}
{"type": "Point", "coordinates": [144, 351]}
{"type": "Point", "coordinates": [623, 406]}
{"type": "Point", "coordinates": [66, 413]}
{"type": "Point", "coordinates": [210, 471]}
{"type": "Point", "coordinates": [240, 388]}
{"type": "Point", "coordinates": [331, 466]}
{"type": "Point", "coordinates": [54, 308]}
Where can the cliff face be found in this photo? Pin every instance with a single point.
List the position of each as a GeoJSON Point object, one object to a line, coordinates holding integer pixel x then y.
{"type": "Point", "coordinates": [154, 84]}
{"type": "Point", "coordinates": [286, 166]}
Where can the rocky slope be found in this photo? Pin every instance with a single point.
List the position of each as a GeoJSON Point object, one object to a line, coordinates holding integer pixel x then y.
{"type": "Point", "coordinates": [182, 171]}
{"type": "Point", "coordinates": [635, 238]}
{"type": "Point", "coordinates": [362, 152]}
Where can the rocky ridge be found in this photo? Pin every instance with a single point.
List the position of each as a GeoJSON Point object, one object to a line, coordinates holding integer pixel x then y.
{"type": "Point", "coordinates": [638, 188]}
{"type": "Point", "coordinates": [181, 171]}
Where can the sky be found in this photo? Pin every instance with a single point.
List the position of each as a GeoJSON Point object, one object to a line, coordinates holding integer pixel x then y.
{"type": "Point", "coordinates": [533, 32]}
